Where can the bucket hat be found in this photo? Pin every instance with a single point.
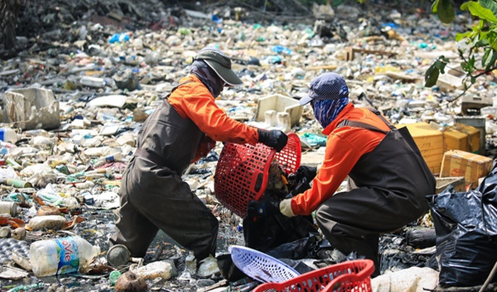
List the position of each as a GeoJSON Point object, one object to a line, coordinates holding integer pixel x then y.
{"type": "Point", "coordinates": [220, 63]}
{"type": "Point", "coordinates": [326, 86]}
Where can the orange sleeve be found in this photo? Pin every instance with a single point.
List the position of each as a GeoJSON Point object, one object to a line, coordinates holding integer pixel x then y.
{"type": "Point", "coordinates": [344, 148]}
{"type": "Point", "coordinates": [193, 100]}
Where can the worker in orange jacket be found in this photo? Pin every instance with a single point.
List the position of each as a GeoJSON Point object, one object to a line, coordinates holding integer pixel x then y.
{"type": "Point", "coordinates": [388, 178]}
{"type": "Point", "coordinates": [181, 130]}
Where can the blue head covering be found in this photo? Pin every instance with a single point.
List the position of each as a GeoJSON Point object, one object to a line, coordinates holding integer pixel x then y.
{"type": "Point", "coordinates": [329, 94]}
{"type": "Point", "coordinates": [327, 110]}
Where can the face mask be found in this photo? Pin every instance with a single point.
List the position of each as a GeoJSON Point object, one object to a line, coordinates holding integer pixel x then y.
{"type": "Point", "coordinates": [208, 77]}
{"type": "Point", "coordinates": [327, 110]}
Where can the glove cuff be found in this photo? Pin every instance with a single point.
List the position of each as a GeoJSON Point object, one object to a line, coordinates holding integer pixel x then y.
{"type": "Point", "coordinates": [262, 135]}
{"type": "Point", "coordinates": [286, 208]}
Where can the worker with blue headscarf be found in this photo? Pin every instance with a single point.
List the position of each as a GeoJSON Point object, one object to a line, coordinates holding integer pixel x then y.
{"type": "Point", "coordinates": [388, 178]}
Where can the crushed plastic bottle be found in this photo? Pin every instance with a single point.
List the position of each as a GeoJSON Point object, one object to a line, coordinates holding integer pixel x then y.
{"type": "Point", "coordinates": [53, 222]}
{"type": "Point", "coordinates": [51, 197]}
{"type": "Point", "coordinates": [61, 256]}
{"type": "Point", "coordinates": [162, 269]}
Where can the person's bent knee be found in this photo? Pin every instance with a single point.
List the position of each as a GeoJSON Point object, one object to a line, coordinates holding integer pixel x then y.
{"type": "Point", "coordinates": [321, 216]}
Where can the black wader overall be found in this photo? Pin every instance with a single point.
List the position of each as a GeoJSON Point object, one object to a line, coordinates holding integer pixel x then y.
{"type": "Point", "coordinates": [391, 183]}
{"type": "Point", "coordinates": [153, 195]}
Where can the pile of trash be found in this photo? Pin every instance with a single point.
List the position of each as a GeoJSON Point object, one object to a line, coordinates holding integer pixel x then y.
{"type": "Point", "coordinates": [78, 90]}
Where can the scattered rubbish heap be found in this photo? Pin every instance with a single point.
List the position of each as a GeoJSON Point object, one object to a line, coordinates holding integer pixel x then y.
{"type": "Point", "coordinates": [75, 91]}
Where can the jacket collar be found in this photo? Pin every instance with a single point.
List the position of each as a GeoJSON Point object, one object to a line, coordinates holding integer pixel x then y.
{"type": "Point", "coordinates": [339, 118]}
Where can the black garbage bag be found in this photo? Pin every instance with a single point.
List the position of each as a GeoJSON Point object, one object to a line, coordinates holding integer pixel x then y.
{"type": "Point", "coordinates": [466, 230]}
{"type": "Point", "coordinates": [267, 233]}
{"type": "Point", "coordinates": [298, 249]}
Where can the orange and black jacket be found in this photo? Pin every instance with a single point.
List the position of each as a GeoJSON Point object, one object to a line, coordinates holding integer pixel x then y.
{"type": "Point", "coordinates": [344, 147]}
{"type": "Point", "coordinates": [194, 101]}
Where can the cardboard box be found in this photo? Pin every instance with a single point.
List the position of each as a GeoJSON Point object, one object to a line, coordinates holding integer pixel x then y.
{"type": "Point", "coordinates": [455, 140]}
{"type": "Point", "coordinates": [476, 122]}
{"type": "Point", "coordinates": [430, 143]}
{"type": "Point", "coordinates": [473, 137]}
{"type": "Point", "coordinates": [461, 163]}
{"type": "Point", "coordinates": [458, 183]}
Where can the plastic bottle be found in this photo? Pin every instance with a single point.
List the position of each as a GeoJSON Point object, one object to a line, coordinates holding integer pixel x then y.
{"type": "Point", "coordinates": [61, 256]}
{"type": "Point", "coordinates": [10, 208]}
{"type": "Point", "coordinates": [117, 156]}
{"type": "Point", "coordinates": [54, 222]}
{"type": "Point", "coordinates": [8, 135]}
{"type": "Point", "coordinates": [92, 81]}
{"type": "Point", "coordinates": [163, 269]}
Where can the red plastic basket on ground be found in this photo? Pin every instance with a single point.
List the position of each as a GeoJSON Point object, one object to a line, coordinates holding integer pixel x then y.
{"type": "Point", "coordinates": [347, 276]}
{"type": "Point", "coordinates": [242, 171]}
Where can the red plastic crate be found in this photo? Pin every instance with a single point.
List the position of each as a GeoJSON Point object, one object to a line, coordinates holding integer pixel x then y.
{"type": "Point", "coordinates": [242, 171]}
{"type": "Point", "coordinates": [347, 276]}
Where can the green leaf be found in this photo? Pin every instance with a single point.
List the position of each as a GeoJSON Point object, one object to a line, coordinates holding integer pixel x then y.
{"type": "Point", "coordinates": [431, 76]}
{"type": "Point", "coordinates": [479, 27]}
{"type": "Point", "coordinates": [472, 61]}
{"type": "Point", "coordinates": [489, 4]}
{"type": "Point", "coordinates": [483, 13]}
{"type": "Point", "coordinates": [434, 6]}
{"type": "Point", "coordinates": [441, 63]}
{"type": "Point", "coordinates": [486, 56]}
{"type": "Point", "coordinates": [491, 63]}
{"type": "Point", "coordinates": [460, 36]}
{"type": "Point", "coordinates": [464, 6]}
{"type": "Point", "coordinates": [337, 3]}
{"type": "Point", "coordinates": [473, 79]}
{"type": "Point", "coordinates": [484, 36]}
{"type": "Point", "coordinates": [470, 65]}
{"type": "Point", "coordinates": [446, 12]}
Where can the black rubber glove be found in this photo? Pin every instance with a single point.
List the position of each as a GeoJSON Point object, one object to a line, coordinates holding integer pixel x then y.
{"type": "Point", "coordinates": [309, 172]}
{"type": "Point", "coordinates": [299, 181]}
{"type": "Point", "coordinates": [302, 186]}
{"type": "Point", "coordinates": [263, 208]}
{"type": "Point", "coordinates": [274, 138]}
